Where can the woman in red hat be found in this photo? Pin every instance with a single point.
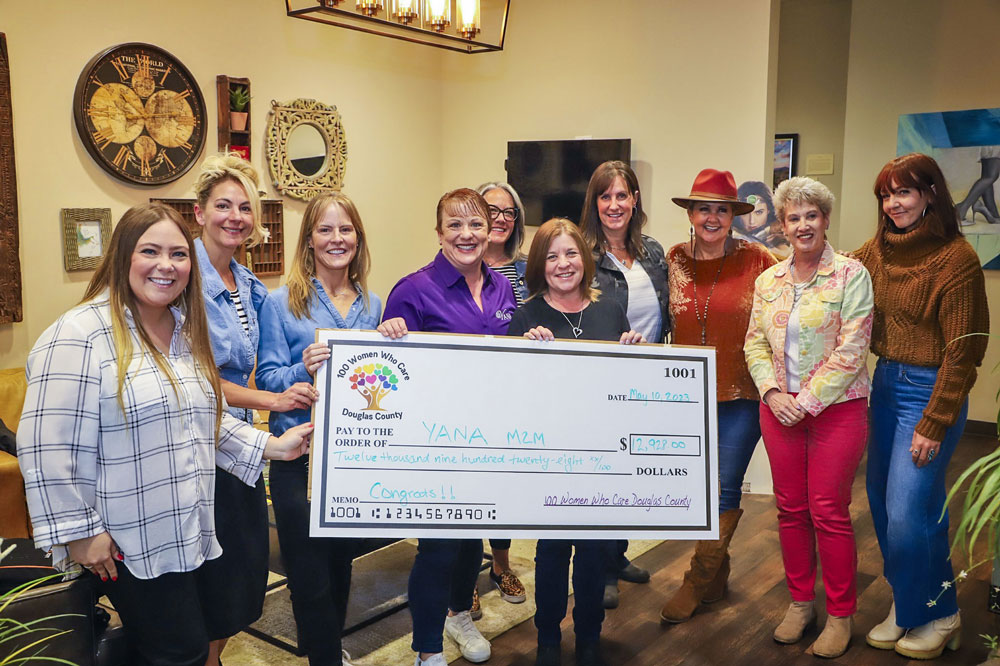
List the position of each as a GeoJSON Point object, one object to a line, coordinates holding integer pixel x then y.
{"type": "Point", "coordinates": [711, 294]}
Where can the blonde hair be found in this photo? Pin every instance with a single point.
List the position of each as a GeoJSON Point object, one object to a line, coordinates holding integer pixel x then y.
{"type": "Point", "coordinates": [300, 287]}
{"type": "Point", "coordinates": [220, 168]}
{"type": "Point", "coordinates": [534, 274]}
{"type": "Point", "coordinates": [113, 275]}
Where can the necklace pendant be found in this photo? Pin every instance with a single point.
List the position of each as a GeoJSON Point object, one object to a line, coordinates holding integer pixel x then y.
{"type": "Point", "coordinates": [577, 331]}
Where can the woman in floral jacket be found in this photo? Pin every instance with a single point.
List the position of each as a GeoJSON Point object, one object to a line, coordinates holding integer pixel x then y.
{"type": "Point", "coordinates": [806, 348]}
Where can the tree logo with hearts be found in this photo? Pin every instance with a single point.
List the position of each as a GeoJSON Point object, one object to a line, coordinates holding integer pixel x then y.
{"type": "Point", "coordinates": [374, 381]}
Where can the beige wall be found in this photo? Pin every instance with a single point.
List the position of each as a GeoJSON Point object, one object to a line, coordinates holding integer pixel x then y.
{"type": "Point", "coordinates": [418, 120]}
{"type": "Point", "coordinates": [388, 94]}
{"type": "Point", "coordinates": [912, 56]}
{"type": "Point", "coordinates": [812, 82]}
{"type": "Point", "coordinates": [660, 73]}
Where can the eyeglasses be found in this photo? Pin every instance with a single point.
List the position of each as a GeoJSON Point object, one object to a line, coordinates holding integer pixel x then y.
{"type": "Point", "coordinates": [509, 214]}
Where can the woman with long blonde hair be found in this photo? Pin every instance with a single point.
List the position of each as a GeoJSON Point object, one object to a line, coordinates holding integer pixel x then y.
{"type": "Point", "coordinates": [122, 430]}
{"type": "Point", "coordinates": [327, 288]}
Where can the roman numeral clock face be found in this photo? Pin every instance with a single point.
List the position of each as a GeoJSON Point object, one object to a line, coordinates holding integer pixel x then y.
{"type": "Point", "coordinates": [140, 114]}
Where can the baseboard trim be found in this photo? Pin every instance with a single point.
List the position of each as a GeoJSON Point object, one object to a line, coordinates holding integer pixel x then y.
{"type": "Point", "coordinates": [987, 428]}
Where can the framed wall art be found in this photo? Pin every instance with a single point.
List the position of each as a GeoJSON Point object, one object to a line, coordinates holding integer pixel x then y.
{"type": "Point", "coordinates": [86, 234]}
{"type": "Point", "coordinates": [10, 264]}
{"type": "Point", "coordinates": [786, 152]}
{"type": "Point", "coordinates": [966, 145]}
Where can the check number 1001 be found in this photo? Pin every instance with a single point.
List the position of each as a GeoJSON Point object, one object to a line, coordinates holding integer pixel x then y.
{"type": "Point", "coordinates": [679, 373]}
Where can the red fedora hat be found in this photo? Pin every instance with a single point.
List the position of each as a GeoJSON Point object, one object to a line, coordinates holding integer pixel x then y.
{"type": "Point", "coordinates": [715, 186]}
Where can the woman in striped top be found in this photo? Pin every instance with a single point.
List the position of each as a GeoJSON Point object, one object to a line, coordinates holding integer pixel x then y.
{"type": "Point", "coordinates": [505, 257]}
{"type": "Point", "coordinates": [506, 235]}
{"type": "Point", "coordinates": [228, 211]}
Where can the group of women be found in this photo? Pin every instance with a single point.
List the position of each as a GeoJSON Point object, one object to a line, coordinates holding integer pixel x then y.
{"type": "Point", "coordinates": [137, 394]}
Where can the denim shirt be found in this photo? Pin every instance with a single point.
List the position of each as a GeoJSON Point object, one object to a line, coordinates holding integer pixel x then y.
{"type": "Point", "coordinates": [234, 349]}
{"type": "Point", "coordinates": [611, 281]}
{"type": "Point", "coordinates": [283, 337]}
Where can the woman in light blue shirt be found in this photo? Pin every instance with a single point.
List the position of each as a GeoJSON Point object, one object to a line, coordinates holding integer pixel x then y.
{"type": "Point", "coordinates": [327, 288]}
{"type": "Point", "coordinates": [227, 208]}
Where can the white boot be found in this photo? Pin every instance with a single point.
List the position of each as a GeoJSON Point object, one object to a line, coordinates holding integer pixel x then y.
{"type": "Point", "coordinates": [929, 640]}
{"type": "Point", "coordinates": [885, 634]}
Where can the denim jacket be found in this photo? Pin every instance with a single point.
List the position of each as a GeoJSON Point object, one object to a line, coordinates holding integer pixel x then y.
{"type": "Point", "coordinates": [283, 337]}
{"type": "Point", "coordinates": [613, 285]}
{"type": "Point", "coordinates": [521, 266]}
{"type": "Point", "coordinates": [835, 330]}
{"type": "Point", "coordinates": [235, 351]}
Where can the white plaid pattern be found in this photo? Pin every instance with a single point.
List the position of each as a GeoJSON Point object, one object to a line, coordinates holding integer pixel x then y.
{"type": "Point", "coordinates": [147, 476]}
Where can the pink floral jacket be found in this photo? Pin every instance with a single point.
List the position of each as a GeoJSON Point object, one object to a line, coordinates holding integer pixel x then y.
{"type": "Point", "coordinates": [835, 319]}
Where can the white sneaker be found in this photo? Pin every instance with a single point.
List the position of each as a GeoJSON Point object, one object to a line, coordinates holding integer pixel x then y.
{"type": "Point", "coordinates": [462, 630]}
{"type": "Point", "coordinates": [345, 659]}
{"type": "Point", "coordinates": [885, 634]}
{"type": "Point", "coordinates": [929, 640]}
{"type": "Point", "coordinates": [435, 660]}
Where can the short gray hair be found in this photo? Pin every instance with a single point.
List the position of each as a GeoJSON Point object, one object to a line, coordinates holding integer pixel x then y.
{"type": "Point", "coordinates": [802, 190]}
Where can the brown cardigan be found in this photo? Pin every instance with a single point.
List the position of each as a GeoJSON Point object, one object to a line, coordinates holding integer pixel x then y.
{"type": "Point", "coordinates": [928, 294]}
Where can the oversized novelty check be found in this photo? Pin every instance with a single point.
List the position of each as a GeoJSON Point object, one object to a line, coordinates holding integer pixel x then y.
{"type": "Point", "coordinates": [463, 436]}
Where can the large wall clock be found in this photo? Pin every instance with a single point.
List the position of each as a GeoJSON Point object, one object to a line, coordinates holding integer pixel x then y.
{"type": "Point", "coordinates": [140, 113]}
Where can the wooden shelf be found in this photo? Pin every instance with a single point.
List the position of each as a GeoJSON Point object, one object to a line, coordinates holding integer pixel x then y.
{"type": "Point", "coordinates": [266, 259]}
{"type": "Point", "coordinates": [228, 137]}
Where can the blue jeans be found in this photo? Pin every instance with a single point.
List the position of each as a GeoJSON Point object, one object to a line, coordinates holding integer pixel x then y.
{"type": "Point", "coordinates": [443, 575]}
{"type": "Point", "coordinates": [739, 432]}
{"type": "Point", "coordinates": [552, 588]}
{"type": "Point", "coordinates": [906, 500]}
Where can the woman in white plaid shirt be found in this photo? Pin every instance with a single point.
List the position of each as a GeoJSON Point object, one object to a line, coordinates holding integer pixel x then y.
{"type": "Point", "coordinates": [122, 428]}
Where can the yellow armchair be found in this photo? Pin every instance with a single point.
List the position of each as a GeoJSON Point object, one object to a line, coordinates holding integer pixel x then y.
{"type": "Point", "coordinates": [14, 523]}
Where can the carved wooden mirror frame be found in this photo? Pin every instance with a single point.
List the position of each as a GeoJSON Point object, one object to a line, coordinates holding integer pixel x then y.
{"type": "Point", "coordinates": [10, 263]}
{"type": "Point", "coordinates": [283, 119]}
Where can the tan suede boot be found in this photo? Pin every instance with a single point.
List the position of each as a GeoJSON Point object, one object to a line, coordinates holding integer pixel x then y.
{"type": "Point", "coordinates": [835, 638]}
{"type": "Point", "coordinates": [716, 590]}
{"type": "Point", "coordinates": [706, 562]}
{"type": "Point", "coordinates": [800, 614]}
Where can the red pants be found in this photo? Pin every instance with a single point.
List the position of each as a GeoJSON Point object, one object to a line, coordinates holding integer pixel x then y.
{"type": "Point", "coordinates": [812, 466]}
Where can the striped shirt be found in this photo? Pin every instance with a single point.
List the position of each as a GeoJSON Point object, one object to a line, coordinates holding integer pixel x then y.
{"type": "Point", "coordinates": [241, 313]}
{"type": "Point", "coordinates": [145, 476]}
{"type": "Point", "coordinates": [509, 271]}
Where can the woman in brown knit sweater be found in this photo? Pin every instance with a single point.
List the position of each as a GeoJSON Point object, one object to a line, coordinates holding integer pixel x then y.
{"type": "Point", "coordinates": [929, 293]}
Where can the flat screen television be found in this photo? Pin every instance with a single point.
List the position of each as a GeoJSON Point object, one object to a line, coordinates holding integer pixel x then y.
{"type": "Point", "coordinates": [551, 176]}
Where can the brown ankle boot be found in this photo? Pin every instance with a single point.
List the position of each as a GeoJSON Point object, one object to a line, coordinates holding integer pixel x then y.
{"type": "Point", "coordinates": [708, 559]}
{"type": "Point", "coordinates": [836, 637]}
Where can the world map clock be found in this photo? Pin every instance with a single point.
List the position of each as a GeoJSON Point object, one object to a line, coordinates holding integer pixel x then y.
{"type": "Point", "coordinates": [140, 113]}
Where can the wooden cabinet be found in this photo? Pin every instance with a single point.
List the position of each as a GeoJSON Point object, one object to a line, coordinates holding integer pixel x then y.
{"type": "Point", "coordinates": [234, 139]}
{"type": "Point", "coordinates": [264, 260]}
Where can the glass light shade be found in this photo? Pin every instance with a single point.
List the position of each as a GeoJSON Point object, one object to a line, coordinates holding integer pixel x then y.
{"type": "Point", "coordinates": [437, 14]}
{"type": "Point", "coordinates": [467, 18]}
{"type": "Point", "coordinates": [330, 4]}
{"type": "Point", "coordinates": [405, 11]}
{"type": "Point", "coordinates": [370, 7]}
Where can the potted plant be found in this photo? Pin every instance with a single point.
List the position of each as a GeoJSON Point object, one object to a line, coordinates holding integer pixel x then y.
{"type": "Point", "coordinates": [239, 98]}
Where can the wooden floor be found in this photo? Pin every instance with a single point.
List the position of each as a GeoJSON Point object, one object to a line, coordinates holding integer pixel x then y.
{"type": "Point", "coordinates": [738, 630]}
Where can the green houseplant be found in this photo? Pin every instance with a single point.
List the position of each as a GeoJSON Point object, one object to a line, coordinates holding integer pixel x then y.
{"type": "Point", "coordinates": [13, 633]}
{"type": "Point", "coordinates": [239, 98]}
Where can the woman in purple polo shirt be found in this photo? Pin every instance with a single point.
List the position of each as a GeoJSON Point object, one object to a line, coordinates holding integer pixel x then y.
{"type": "Point", "coordinates": [455, 293]}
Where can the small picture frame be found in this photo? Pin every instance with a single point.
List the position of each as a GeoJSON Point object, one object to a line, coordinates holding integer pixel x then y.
{"type": "Point", "coordinates": [786, 152]}
{"type": "Point", "coordinates": [86, 234]}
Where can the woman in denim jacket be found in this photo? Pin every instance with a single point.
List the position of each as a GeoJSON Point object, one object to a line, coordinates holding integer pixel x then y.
{"type": "Point", "coordinates": [806, 347]}
{"type": "Point", "coordinates": [227, 209]}
{"type": "Point", "coordinates": [327, 288]}
{"type": "Point", "coordinates": [632, 271]}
